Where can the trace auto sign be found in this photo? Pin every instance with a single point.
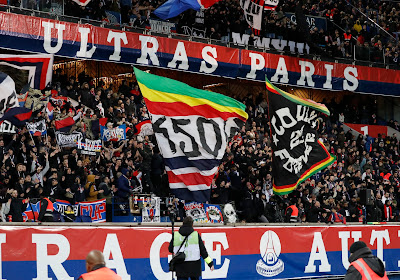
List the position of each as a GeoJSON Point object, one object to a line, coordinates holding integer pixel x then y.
{"type": "Point", "coordinates": [238, 252]}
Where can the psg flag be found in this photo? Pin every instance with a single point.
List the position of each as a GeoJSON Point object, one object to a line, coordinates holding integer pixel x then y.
{"type": "Point", "coordinates": [297, 152]}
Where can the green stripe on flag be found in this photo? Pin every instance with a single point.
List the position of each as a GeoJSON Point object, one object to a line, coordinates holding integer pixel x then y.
{"type": "Point", "coordinates": [163, 84]}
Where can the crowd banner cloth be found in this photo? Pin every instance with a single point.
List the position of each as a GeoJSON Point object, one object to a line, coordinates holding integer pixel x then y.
{"type": "Point", "coordinates": [192, 128]}
{"type": "Point", "coordinates": [37, 128]}
{"type": "Point", "coordinates": [96, 210]}
{"type": "Point", "coordinates": [144, 128]}
{"type": "Point", "coordinates": [68, 139]}
{"type": "Point", "coordinates": [297, 151]}
{"type": "Point", "coordinates": [113, 134]}
{"type": "Point", "coordinates": [82, 3]}
{"type": "Point", "coordinates": [39, 67]}
{"type": "Point", "coordinates": [8, 96]}
{"type": "Point", "coordinates": [65, 125]}
{"type": "Point", "coordinates": [89, 147]}
{"type": "Point", "coordinates": [17, 116]}
{"type": "Point", "coordinates": [173, 8]}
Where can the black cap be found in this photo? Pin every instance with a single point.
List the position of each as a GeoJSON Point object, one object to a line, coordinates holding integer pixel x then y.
{"type": "Point", "coordinates": [357, 246]}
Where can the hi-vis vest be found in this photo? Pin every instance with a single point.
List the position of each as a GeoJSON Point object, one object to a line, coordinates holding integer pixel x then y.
{"type": "Point", "coordinates": [191, 246]}
{"type": "Point", "coordinates": [49, 208]}
{"type": "Point", "coordinates": [366, 272]}
{"type": "Point", "coordinates": [295, 213]}
{"type": "Point", "coordinates": [103, 273]}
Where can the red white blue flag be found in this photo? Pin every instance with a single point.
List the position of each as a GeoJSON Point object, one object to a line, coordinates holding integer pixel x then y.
{"type": "Point", "coordinates": [38, 68]}
{"type": "Point", "coordinates": [37, 129]}
{"type": "Point", "coordinates": [173, 8]}
{"type": "Point", "coordinates": [17, 116]}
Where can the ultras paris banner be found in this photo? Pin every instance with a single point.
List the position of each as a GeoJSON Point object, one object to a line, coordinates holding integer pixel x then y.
{"type": "Point", "coordinates": [248, 253]}
{"type": "Point", "coordinates": [84, 41]}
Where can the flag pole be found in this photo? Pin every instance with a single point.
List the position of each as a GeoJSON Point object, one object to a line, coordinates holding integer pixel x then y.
{"type": "Point", "coordinates": [268, 114]}
{"type": "Point", "coordinates": [32, 138]}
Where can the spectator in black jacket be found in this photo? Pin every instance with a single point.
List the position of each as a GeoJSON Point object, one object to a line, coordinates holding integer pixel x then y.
{"type": "Point", "coordinates": [157, 169]}
{"type": "Point", "coordinates": [315, 212]}
{"type": "Point", "coordinates": [17, 207]}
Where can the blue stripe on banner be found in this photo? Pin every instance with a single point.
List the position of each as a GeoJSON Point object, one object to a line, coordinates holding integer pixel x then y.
{"type": "Point", "coordinates": [198, 196]}
{"type": "Point", "coordinates": [65, 129]}
{"type": "Point", "coordinates": [3, 76]}
{"type": "Point", "coordinates": [182, 162]}
{"type": "Point", "coordinates": [238, 267]}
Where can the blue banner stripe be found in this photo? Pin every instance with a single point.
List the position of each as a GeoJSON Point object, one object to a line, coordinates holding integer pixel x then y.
{"type": "Point", "coordinates": [182, 162]}
{"type": "Point", "coordinates": [198, 196]}
{"type": "Point", "coordinates": [241, 267]}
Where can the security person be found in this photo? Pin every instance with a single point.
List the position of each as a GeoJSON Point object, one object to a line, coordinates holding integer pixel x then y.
{"type": "Point", "coordinates": [364, 265]}
{"type": "Point", "coordinates": [96, 268]}
{"type": "Point", "coordinates": [193, 248]}
{"type": "Point", "coordinates": [292, 213]}
{"type": "Point", "coordinates": [46, 210]}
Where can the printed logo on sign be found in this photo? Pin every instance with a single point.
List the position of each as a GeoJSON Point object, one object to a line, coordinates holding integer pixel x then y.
{"type": "Point", "coordinates": [270, 249]}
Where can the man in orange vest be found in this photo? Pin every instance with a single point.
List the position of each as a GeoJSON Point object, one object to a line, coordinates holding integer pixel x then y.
{"type": "Point", "coordinates": [364, 265]}
{"type": "Point", "coordinates": [96, 268]}
{"type": "Point", "coordinates": [292, 214]}
{"type": "Point", "coordinates": [46, 210]}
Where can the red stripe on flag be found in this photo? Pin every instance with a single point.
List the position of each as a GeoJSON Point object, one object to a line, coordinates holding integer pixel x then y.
{"type": "Point", "coordinates": [190, 179]}
{"type": "Point", "coordinates": [271, 89]}
{"type": "Point", "coordinates": [24, 116]}
{"type": "Point", "coordinates": [65, 122]}
{"type": "Point", "coordinates": [183, 109]}
{"type": "Point", "coordinates": [103, 121]}
{"type": "Point", "coordinates": [208, 3]}
{"type": "Point", "coordinates": [139, 126]}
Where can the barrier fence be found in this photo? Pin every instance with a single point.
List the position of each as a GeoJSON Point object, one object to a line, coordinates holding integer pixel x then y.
{"type": "Point", "coordinates": [242, 252]}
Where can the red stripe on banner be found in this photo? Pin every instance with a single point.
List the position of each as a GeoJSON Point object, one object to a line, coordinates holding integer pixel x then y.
{"type": "Point", "coordinates": [293, 65]}
{"type": "Point", "coordinates": [183, 109]}
{"type": "Point", "coordinates": [64, 123]}
{"type": "Point", "coordinates": [24, 116]}
{"type": "Point", "coordinates": [190, 179]}
{"type": "Point", "coordinates": [371, 130]}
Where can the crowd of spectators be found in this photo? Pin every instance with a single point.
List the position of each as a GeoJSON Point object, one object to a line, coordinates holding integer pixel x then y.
{"type": "Point", "coordinates": [347, 26]}
{"type": "Point", "coordinates": [33, 167]}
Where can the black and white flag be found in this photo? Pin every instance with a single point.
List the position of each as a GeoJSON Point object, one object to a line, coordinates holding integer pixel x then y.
{"type": "Point", "coordinates": [297, 152]}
